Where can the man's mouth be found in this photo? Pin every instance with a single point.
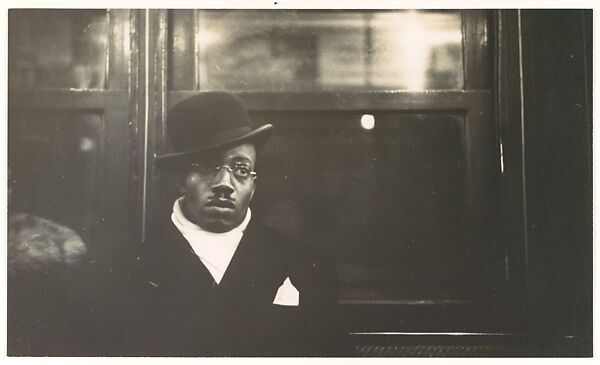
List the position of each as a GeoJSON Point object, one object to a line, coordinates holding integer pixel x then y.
{"type": "Point", "coordinates": [221, 203]}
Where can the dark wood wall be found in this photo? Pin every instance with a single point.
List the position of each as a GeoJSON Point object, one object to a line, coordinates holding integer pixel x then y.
{"type": "Point", "coordinates": [558, 163]}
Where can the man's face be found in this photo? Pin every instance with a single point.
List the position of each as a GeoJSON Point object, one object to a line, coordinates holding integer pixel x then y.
{"type": "Point", "coordinates": [217, 200]}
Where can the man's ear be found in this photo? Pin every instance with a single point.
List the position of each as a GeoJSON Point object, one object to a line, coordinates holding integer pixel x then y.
{"type": "Point", "coordinates": [181, 183]}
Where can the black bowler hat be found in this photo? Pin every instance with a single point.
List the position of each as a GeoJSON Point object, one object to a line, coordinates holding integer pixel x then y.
{"type": "Point", "coordinates": [208, 121]}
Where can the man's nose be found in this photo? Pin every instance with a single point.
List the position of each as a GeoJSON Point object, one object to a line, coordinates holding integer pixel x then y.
{"type": "Point", "coordinates": [222, 182]}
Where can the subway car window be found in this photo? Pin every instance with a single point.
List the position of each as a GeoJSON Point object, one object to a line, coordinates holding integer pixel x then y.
{"type": "Point", "coordinates": [249, 50]}
{"type": "Point", "coordinates": [369, 189]}
{"type": "Point", "coordinates": [68, 124]}
{"type": "Point", "coordinates": [366, 185]}
{"type": "Point", "coordinates": [58, 48]}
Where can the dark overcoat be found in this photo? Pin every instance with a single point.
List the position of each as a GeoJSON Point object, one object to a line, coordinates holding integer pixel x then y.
{"type": "Point", "coordinates": [184, 312]}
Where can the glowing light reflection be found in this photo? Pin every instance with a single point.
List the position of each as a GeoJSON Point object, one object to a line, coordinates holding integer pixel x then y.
{"type": "Point", "coordinates": [367, 121]}
{"type": "Point", "coordinates": [205, 38]}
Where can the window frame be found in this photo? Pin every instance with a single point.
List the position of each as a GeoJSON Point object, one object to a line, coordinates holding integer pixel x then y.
{"type": "Point", "coordinates": [476, 103]}
{"type": "Point", "coordinates": [113, 103]}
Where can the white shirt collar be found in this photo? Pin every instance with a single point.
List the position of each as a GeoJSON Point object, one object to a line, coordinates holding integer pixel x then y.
{"type": "Point", "coordinates": [215, 250]}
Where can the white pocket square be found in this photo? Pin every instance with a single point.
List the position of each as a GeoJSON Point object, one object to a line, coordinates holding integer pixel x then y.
{"type": "Point", "coordinates": [287, 294]}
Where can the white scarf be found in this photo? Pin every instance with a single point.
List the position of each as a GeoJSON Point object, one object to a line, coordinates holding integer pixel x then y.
{"type": "Point", "coordinates": [215, 250]}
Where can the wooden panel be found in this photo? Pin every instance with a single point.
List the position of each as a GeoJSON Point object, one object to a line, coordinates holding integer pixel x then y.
{"type": "Point", "coordinates": [136, 122]}
{"type": "Point", "coordinates": [119, 49]}
{"type": "Point", "coordinates": [558, 180]}
{"type": "Point", "coordinates": [116, 170]}
{"type": "Point", "coordinates": [68, 99]}
{"type": "Point", "coordinates": [424, 316]}
{"type": "Point", "coordinates": [182, 50]}
{"type": "Point", "coordinates": [511, 200]}
{"type": "Point", "coordinates": [154, 26]}
{"type": "Point", "coordinates": [477, 60]}
{"type": "Point", "coordinates": [146, 130]}
{"type": "Point", "coordinates": [397, 101]}
{"type": "Point", "coordinates": [483, 173]}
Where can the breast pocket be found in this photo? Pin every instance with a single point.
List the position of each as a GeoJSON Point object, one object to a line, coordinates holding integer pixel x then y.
{"type": "Point", "coordinates": [287, 295]}
{"type": "Point", "coordinates": [286, 312]}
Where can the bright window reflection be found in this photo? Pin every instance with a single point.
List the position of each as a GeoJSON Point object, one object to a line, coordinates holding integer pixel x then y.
{"type": "Point", "coordinates": [266, 50]}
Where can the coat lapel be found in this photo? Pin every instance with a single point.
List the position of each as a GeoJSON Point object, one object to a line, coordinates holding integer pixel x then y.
{"type": "Point", "coordinates": [183, 260]}
{"type": "Point", "coordinates": [256, 266]}
{"type": "Point", "coordinates": [256, 270]}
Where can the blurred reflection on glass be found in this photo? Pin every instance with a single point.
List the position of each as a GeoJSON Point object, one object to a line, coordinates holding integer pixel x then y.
{"type": "Point", "coordinates": [55, 159]}
{"type": "Point", "coordinates": [416, 51]}
{"type": "Point", "coordinates": [57, 48]}
{"type": "Point", "coordinates": [250, 50]}
{"type": "Point", "coordinates": [387, 203]}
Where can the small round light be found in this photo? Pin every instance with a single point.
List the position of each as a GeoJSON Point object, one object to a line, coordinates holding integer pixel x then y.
{"type": "Point", "coordinates": [367, 121]}
{"type": "Point", "coordinates": [86, 144]}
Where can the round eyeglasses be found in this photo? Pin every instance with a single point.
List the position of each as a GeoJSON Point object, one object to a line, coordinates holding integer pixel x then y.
{"type": "Point", "coordinates": [240, 171]}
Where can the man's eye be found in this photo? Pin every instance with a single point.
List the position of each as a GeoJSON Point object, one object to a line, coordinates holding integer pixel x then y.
{"type": "Point", "coordinates": [241, 170]}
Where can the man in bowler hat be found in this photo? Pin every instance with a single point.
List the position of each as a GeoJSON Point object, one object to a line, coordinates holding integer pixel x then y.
{"type": "Point", "coordinates": [215, 281]}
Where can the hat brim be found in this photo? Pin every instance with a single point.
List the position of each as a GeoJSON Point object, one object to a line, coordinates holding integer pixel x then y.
{"type": "Point", "coordinates": [258, 136]}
